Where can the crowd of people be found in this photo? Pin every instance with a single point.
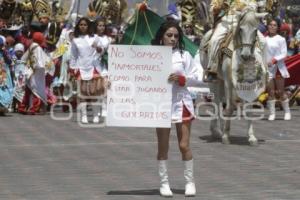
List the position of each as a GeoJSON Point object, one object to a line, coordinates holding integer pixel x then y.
{"type": "Point", "coordinates": [36, 68]}
{"type": "Point", "coordinates": [31, 65]}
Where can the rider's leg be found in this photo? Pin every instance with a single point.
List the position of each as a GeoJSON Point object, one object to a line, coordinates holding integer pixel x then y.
{"type": "Point", "coordinates": [219, 34]}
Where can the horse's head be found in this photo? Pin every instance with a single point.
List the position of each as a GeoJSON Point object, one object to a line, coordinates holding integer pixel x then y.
{"type": "Point", "coordinates": [246, 32]}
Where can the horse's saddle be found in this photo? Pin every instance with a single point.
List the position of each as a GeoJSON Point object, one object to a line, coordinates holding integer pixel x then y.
{"type": "Point", "coordinates": [225, 48]}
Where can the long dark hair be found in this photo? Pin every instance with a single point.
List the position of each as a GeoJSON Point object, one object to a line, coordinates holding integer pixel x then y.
{"type": "Point", "coordinates": [77, 32]}
{"type": "Point", "coordinates": [278, 22]}
{"type": "Point", "coordinates": [163, 28]}
{"type": "Point", "coordinates": [97, 21]}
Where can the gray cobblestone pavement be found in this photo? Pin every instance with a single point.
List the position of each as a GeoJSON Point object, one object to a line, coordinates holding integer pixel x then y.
{"type": "Point", "coordinates": [44, 159]}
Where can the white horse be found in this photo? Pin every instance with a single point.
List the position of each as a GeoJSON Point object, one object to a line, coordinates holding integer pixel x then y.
{"type": "Point", "coordinates": [245, 50]}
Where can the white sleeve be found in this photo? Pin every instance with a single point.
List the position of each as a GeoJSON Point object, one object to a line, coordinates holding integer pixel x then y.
{"type": "Point", "coordinates": [73, 56]}
{"type": "Point", "coordinates": [200, 71]}
{"type": "Point", "coordinates": [283, 50]}
{"type": "Point", "coordinates": [25, 56]}
{"type": "Point", "coordinates": [62, 38]}
{"type": "Point", "coordinates": [103, 44]}
{"type": "Point", "coordinates": [191, 72]}
{"type": "Point", "coordinates": [40, 57]}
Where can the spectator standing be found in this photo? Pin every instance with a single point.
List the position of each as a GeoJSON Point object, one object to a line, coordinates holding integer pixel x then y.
{"type": "Point", "coordinates": [19, 66]}
{"type": "Point", "coordinates": [6, 85]}
{"type": "Point", "coordinates": [276, 53]}
{"type": "Point", "coordinates": [103, 44]}
{"type": "Point", "coordinates": [35, 91]}
{"type": "Point", "coordinates": [85, 64]}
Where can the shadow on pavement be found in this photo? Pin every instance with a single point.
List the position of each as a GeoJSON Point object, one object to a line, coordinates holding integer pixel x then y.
{"type": "Point", "coordinates": [235, 140]}
{"type": "Point", "coordinates": [141, 192]}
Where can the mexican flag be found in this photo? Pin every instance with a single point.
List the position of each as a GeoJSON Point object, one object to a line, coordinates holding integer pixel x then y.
{"type": "Point", "coordinates": [293, 66]}
{"type": "Point", "coordinates": [144, 28]}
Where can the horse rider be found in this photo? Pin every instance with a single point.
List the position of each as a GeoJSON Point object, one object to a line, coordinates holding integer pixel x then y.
{"type": "Point", "coordinates": [224, 20]}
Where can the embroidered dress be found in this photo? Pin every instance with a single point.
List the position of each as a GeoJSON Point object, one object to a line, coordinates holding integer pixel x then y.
{"type": "Point", "coordinates": [19, 79]}
{"type": "Point", "coordinates": [103, 42]}
{"type": "Point", "coordinates": [36, 81]}
{"type": "Point", "coordinates": [6, 85]}
{"type": "Point", "coordinates": [64, 44]}
{"type": "Point", "coordinates": [35, 90]}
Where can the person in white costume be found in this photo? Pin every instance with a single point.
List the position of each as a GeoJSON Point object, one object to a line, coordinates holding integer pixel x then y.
{"type": "Point", "coordinates": [225, 20]}
{"type": "Point", "coordinates": [19, 75]}
{"type": "Point", "coordinates": [276, 53]}
{"type": "Point", "coordinates": [37, 64]}
{"type": "Point", "coordinates": [184, 75]}
{"type": "Point", "coordinates": [84, 62]}
{"type": "Point", "coordinates": [65, 82]}
{"type": "Point", "coordinates": [104, 42]}
{"type": "Point", "coordinates": [102, 34]}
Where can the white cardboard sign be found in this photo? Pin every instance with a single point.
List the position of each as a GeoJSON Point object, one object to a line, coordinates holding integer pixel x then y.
{"type": "Point", "coordinates": [140, 95]}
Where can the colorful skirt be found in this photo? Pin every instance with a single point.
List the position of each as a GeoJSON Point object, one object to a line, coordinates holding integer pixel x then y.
{"type": "Point", "coordinates": [6, 89]}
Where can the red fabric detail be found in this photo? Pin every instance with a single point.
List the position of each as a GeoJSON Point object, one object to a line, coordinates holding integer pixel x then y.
{"type": "Point", "coordinates": [25, 101]}
{"type": "Point", "coordinates": [77, 74]}
{"type": "Point", "coordinates": [57, 64]}
{"type": "Point", "coordinates": [36, 105]}
{"type": "Point", "coordinates": [278, 74]}
{"type": "Point", "coordinates": [24, 105]}
{"type": "Point", "coordinates": [22, 108]}
{"type": "Point", "coordinates": [72, 72]}
{"type": "Point", "coordinates": [48, 80]}
{"type": "Point", "coordinates": [96, 74]}
{"type": "Point", "coordinates": [143, 7]}
{"type": "Point", "coordinates": [186, 115]}
{"type": "Point", "coordinates": [293, 67]}
{"type": "Point", "coordinates": [51, 98]}
{"type": "Point", "coordinates": [181, 80]}
{"type": "Point", "coordinates": [274, 61]}
{"type": "Point", "coordinates": [285, 28]}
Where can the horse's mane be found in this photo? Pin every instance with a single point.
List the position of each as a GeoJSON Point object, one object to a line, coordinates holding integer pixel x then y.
{"type": "Point", "coordinates": [243, 17]}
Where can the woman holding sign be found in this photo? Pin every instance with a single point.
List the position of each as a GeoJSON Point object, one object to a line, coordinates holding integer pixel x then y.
{"type": "Point", "coordinates": [86, 67]}
{"type": "Point", "coordinates": [184, 75]}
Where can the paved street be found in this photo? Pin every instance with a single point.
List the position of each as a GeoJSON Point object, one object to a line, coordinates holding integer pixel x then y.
{"type": "Point", "coordinates": [45, 159]}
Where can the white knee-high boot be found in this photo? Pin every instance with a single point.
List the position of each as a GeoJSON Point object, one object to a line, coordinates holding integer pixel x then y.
{"type": "Point", "coordinates": [104, 108]}
{"type": "Point", "coordinates": [190, 188]}
{"type": "Point", "coordinates": [286, 108]}
{"type": "Point", "coordinates": [83, 110]}
{"type": "Point", "coordinates": [271, 106]}
{"type": "Point", "coordinates": [96, 113]}
{"type": "Point", "coordinates": [164, 189]}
